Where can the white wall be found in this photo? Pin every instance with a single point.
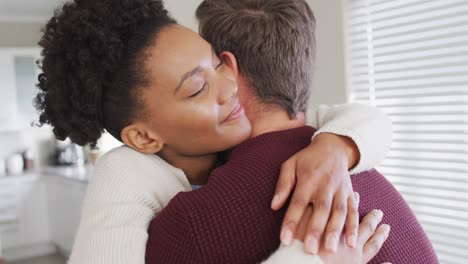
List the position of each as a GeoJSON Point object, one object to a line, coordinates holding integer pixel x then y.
{"type": "Point", "coordinates": [19, 34]}
{"type": "Point", "coordinates": [16, 34]}
{"type": "Point", "coordinates": [184, 11]}
{"type": "Point", "coordinates": [329, 81]}
{"type": "Point", "coordinates": [329, 84]}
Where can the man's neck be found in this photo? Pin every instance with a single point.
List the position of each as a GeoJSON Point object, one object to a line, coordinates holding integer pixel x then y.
{"type": "Point", "coordinates": [265, 119]}
{"type": "Point", "coordinates": [196, 168]}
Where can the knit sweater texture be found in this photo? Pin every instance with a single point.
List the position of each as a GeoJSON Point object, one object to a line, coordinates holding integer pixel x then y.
{"type": "Point", "coordinates": [407, 242]}
{"type": "Point", "coordinates": [128, 189]}
{"type": "Point", "coordinates": [229, 220]}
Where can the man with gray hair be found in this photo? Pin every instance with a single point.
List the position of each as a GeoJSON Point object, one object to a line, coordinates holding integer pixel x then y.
{"type": "Point", "coordinates": [274, 44]}
{"type": "Point", "coordinates": [271, 48]}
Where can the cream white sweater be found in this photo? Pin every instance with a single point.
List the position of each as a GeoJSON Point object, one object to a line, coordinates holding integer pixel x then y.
{"type": "Point", "coordinates": [129, 188]}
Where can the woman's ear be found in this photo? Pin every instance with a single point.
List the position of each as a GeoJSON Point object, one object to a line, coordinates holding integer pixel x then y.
{"type": "Point", "coordinates": [230, 61]}
{"type": "Point", "coordinates": [140, 139]}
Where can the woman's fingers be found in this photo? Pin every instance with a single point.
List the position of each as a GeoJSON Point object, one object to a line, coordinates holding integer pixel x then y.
{"type": "Point", "coordinates": [368, 225]}
{"type": "Point", "coordinates": [352, 220]}
{"type": "Point", "coordinates": [321, 177]}
{"type": "Point", "coordinates": [321, 213]}
{"type": "Point", "coordinates": [375, 243]}
{"type": "Point", "coordinates": [299, 202]}
{"type": "Point", "coordinates": [337, 220]}
{"type": "Point", "coordinates": [286, 182]}
{"type": "Point", "coordinates": [302, 226]}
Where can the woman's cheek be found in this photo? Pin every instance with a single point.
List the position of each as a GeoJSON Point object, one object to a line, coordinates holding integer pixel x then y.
{"type": "Point", "coordinates": [206, 124]}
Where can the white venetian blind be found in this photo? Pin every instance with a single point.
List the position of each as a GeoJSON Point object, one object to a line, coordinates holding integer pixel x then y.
{"type": "Point", "coordinates": [410, 58]}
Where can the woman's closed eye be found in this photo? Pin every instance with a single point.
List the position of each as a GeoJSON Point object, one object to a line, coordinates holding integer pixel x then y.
{"type": "Point", "coordinates": [199, 91]}
{"type": "Point", "coordinates": [221, 62]}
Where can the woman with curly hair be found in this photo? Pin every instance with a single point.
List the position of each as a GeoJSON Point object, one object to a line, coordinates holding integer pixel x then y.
{"type": "Point", "coordinates": [110, 66]}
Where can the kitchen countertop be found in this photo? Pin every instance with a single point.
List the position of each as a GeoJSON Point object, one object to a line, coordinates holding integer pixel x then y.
{"type": "Point", "coordinates": [80, 174]}
{"type": "Point", "coordinates": [29, 175]}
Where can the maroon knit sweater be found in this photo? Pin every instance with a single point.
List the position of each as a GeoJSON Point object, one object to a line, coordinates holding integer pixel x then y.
{"type": "Point", "coordinates": [229, 220]}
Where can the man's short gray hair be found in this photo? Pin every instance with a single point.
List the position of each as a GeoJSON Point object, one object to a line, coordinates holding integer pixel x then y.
{"type": "Point", "coordinates": [274, 44]}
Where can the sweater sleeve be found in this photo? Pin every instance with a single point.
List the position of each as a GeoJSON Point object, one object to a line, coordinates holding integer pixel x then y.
{"type": "Point", "coordinates": [125, 192]}
{"type": "Point", "coordinates": [292, 254]}
{"type": "Point", "coordinates": [367, 126]}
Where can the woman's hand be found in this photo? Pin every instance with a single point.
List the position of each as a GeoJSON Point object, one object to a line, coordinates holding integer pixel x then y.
{"type": "Point", "coordinates": [320, 176]}
{"type": "Point", "coordinates": [369, 240]}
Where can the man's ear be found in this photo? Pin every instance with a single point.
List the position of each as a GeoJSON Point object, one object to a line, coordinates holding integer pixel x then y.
{"type": "Point", "coordinates": [138, 137]}
{"type": "Point", "coordinates": [230, 61]}
{"type": "Point", "coordinates": [244, 91]}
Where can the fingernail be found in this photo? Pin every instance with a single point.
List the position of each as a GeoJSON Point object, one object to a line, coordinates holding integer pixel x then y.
{"type": "Point", "coordinates": [386, 230]}
{"type": "Point", "coordinates": [379, 214]}
{"type": "Point", "coordinates": [352, 241]}
{"type": "Point", "coordinates": [275, 200]}
{"type": "Point", "coordinates": [286, 238]}
{"type": "Point", "coordinates": [311, 245]}
{"type": "Point", "coordinates": [331, 243]}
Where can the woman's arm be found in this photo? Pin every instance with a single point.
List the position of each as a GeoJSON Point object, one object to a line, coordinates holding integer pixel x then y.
{"type": "Point", "coordinates": [368, 127]}
{"type": "Point", "coordinates": [125, 192]}
{"type": "Point", "coordinates": [350, 135]}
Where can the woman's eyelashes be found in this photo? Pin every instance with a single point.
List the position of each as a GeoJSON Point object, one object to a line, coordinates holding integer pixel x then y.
{"type": "Point", "coordinates": [221, 62]}
{"type": "Point", "coordinates": [199, 91]}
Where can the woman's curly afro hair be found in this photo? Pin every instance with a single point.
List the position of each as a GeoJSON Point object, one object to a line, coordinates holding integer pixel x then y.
{"type": "Point", "coordinates": [92, 61]}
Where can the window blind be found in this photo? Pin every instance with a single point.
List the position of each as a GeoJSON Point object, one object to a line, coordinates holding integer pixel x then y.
{"type": "Point", "coordinates": [410, 58]}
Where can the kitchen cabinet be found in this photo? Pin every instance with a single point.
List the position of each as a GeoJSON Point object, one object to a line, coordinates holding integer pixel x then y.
{"type": "Point", "coordinates": [65, 197]}
{"type": "Point", "coordinates": [25, 212]}
{"type": "Point", "coordinates": [39, 214]}
{"type": "Point", "coordinates": [18, 78]}
{"type": "Point", "coordinates": [8, 205]}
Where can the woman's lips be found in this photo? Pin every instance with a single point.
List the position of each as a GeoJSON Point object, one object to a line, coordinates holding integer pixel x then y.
{"type": "Point", "coordinates": [236, 113]}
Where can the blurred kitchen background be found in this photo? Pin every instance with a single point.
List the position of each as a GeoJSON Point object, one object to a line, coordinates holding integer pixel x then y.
{"type": "Point", "coordinates": [408, 57]}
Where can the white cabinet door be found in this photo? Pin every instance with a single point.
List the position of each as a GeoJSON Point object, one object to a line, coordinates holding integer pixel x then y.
{"type": "Point", "coordinates": [32, 220]}
{"type": "Point", "coordinates": [9, 202]}
{"type": "Point", "coordinates": [65, 201]}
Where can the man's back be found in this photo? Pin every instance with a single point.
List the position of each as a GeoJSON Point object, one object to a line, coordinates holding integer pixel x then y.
{"type": "Point", "coordinates": [407, 242]}
{"type": "Point", "coordinates": [229, 220]}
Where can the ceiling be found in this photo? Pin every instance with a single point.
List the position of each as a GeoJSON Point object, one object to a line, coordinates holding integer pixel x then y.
{"type": "Point", "coordinates": [27, 10]}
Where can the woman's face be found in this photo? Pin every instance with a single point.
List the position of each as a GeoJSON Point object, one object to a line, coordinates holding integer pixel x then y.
{"type": "Point", "coordinates": [192, 101]}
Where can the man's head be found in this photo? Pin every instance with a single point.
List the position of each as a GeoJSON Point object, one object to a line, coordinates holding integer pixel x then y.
{"type": "Point", "coordinates": [274, 44]}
